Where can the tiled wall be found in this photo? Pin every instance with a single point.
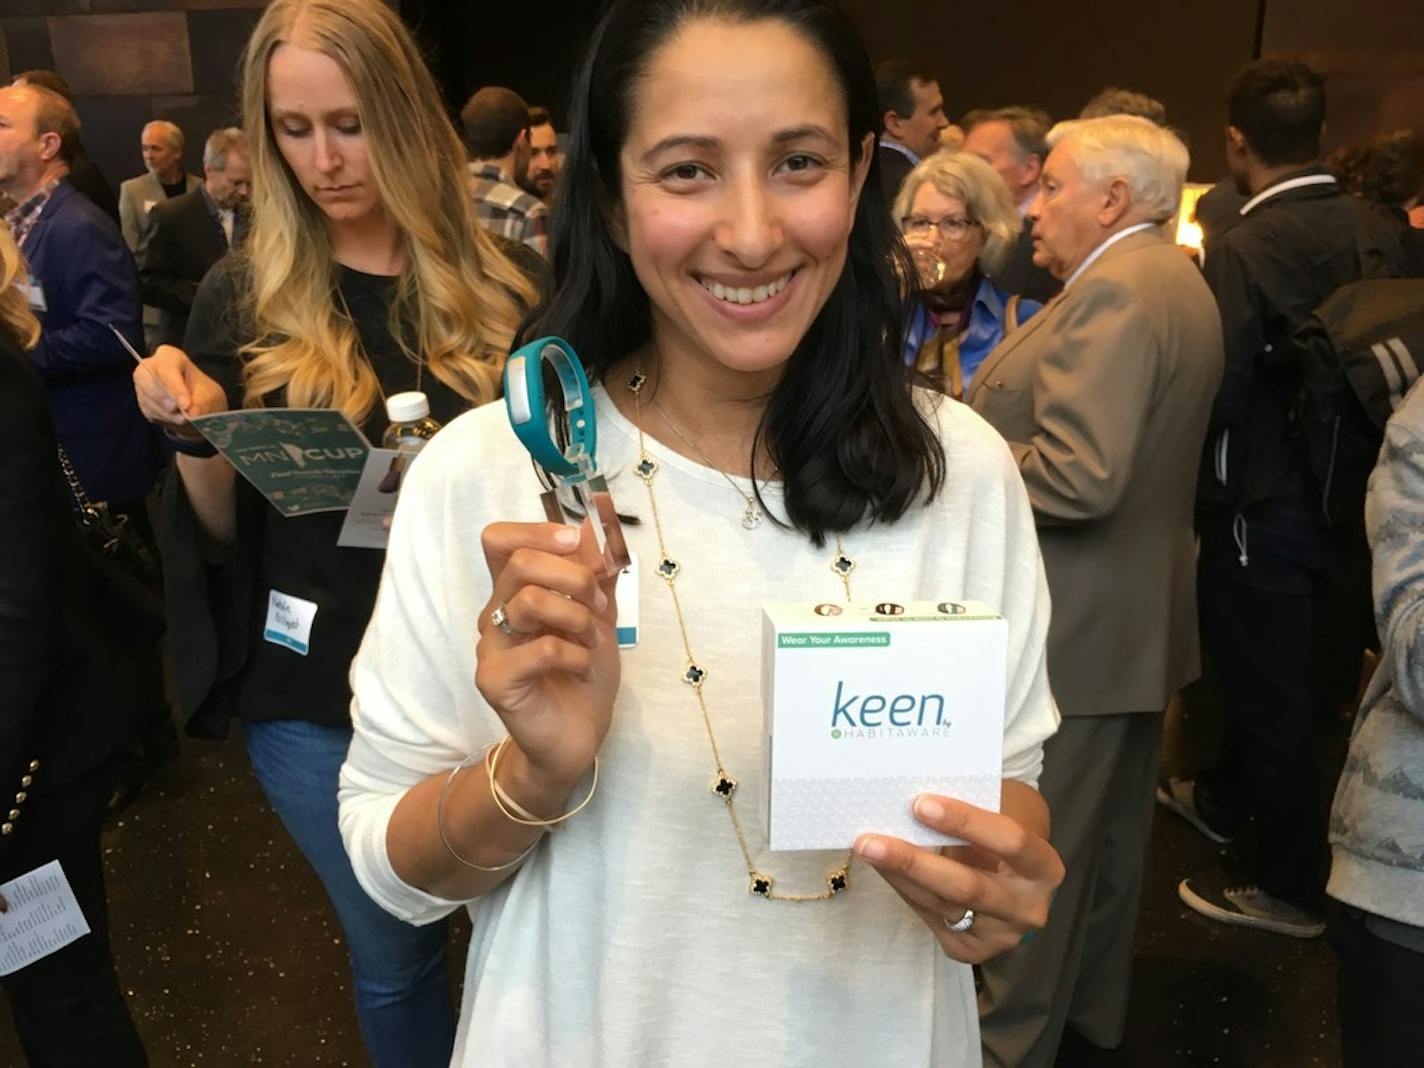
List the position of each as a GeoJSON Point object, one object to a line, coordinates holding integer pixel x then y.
{"type": "Point", "coordinates": [129, 61]}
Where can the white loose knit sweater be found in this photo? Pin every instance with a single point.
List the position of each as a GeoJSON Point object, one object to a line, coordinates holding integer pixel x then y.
{"type": "Point", "coordinates": [629, 937]}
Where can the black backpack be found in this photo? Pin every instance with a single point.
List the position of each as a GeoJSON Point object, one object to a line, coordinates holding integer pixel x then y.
{"type": "Point", "coordinates": [1361, 350]}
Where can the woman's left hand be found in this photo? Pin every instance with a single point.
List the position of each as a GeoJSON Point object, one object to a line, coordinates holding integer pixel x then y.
{"type": "Point", "coordinates": [1006, 873]}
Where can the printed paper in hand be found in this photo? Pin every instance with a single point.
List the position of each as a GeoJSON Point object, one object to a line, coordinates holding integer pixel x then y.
{"type": "Point", "coordinates": [301, 459]}
{"type": "Point", "coordinates": [43, 917]}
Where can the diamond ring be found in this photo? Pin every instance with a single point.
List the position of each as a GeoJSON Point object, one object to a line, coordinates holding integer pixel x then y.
{"type": "Point", "coordinates": [962, 924]}
{"type": "Point", "coordinates": [500, 618]}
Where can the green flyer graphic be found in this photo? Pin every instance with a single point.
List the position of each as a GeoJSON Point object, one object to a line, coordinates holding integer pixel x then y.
{"type": "Point", "coordinates": [303, 460]}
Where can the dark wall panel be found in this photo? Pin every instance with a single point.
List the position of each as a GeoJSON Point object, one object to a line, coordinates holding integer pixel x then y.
{"type": "Point", "coordinates": [123, 55]}
{"type": "Point", "coordinates": [27, 44]}
{"type": "Point", "coordinates": [531, 46]}
{"type": "Point", "coordinates": [156, 58]}
{"type": "Point", "coordinates": [1371, 52]}
{"type": "Point", "coordinates": [1055, 55]}
{"type": "Point", "coordinates": [130, 61]}
{"type": "Point", "coordinates": [217, 39]}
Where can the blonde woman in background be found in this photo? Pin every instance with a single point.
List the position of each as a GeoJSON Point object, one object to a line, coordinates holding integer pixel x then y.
{"type": "Point", "coordinates": [960, 222]}
{"type": "Point", "coordinates": [365, 274]}
{"type": "Point", "coordinates": [67, 704]}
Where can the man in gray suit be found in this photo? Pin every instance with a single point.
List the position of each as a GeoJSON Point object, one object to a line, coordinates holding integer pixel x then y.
{"type": "Point", "coordinates": [163, 177]}
{"type": "Point", "coordinates": [1103, 397]}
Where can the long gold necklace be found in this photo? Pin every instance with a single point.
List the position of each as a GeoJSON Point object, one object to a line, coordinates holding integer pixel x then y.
{"type": "Point", "coordinates": [694, 675]}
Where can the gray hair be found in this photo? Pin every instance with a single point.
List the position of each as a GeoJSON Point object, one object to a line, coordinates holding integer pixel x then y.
{"type": "Point", "coordinates": [223, 143]}
{"type": "Point", "coordinates": [986, 198]}
{"type": "Point", "coordinates": [171, 130]}
{"type": "Point", "coordinates": [1151, 159]}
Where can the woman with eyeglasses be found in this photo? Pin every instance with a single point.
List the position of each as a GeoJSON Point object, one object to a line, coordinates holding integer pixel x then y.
{"type": "Point", "coordinates": [959, 221]}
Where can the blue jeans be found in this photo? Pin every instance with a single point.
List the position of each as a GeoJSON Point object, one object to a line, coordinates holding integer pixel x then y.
{"type": "Point", "coordinates": [401, 973]}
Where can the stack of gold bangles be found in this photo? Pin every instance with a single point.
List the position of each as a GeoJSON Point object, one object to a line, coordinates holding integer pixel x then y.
{"type": "Point", "coordinates": [511, 808]}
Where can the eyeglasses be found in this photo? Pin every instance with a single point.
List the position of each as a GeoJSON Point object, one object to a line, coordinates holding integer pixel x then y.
{"type": "Point", "coordinates": [950, 229]}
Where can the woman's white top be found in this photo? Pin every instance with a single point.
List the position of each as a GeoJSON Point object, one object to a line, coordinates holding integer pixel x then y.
{"type": "Point", "coordinates": [629, 936]}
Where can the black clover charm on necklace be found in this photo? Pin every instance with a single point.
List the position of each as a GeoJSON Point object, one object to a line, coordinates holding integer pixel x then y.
{"type": "Point", "coordinates": [637, 382]}
{"type": "Point", "coordinates": [724, 786]}
{"type": "Point", "coordinates": [760, 884]}
{"type": "Point", "coordinates": [646, 469]}
{"type": "Point", "coordinates": [668, 568]}
{"type": "Point", "coordinates": [694, 676]}
{"type": "Point", "coordinates": [842, 565]}
{"type": "Point", "coordinates": [838, 880]}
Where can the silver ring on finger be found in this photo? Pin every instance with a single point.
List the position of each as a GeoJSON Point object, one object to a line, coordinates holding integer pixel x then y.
{"type": "Point", "coordinates": [963, 924]}
{"type": "Point", "coordinates": [500, 618]}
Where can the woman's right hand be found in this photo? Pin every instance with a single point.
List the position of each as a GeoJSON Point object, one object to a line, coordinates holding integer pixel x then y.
{"type": "Point", "coordinates": [171, 389]}
{"type": "Point", "coordinates": [553, 682]}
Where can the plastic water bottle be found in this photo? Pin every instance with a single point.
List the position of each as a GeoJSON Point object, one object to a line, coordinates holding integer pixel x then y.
{"type": "Point", "coordinates": [409, 430]}
{"type": "Point", "coordinates": [411, 426]}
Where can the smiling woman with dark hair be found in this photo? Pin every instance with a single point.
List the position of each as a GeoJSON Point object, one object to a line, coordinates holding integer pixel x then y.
{"type": "Point", "coordinates": [723, 263]}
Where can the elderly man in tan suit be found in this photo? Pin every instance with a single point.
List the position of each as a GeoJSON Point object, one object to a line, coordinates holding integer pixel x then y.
{"type": "Point", "coordinates": [1103, 397]}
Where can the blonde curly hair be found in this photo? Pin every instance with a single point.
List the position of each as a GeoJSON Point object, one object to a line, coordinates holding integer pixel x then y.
{"type": "Point", "coordinates": [16, 319]}
{"type": "Point", "coordinates": [459, 299]}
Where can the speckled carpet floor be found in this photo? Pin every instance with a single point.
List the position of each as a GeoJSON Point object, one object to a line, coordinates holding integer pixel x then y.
{"type": "Point", "coordinates": [231, 956]}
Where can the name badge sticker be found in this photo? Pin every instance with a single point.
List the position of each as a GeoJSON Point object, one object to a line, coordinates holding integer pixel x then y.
{"type": "Point", "coordinates": [34, 294]}
{"type": "Point", "coordinates": [289, 622]}
{"type": "Point", "coordinates": [627, 600]}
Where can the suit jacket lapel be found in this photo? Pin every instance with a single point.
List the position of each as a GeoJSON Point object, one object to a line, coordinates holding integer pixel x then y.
{"type": "Point", "coordinates": [1142, 239]}
{"type": "Point", "coordinates": [1002, 349]}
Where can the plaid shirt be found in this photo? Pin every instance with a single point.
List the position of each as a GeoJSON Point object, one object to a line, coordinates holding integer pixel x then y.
{"type": "Point", "coordinates": [22, 219]}
{"type": "Point", "coordinates": [505, 209]}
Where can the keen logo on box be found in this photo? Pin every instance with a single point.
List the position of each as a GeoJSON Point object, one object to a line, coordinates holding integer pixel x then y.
{"type": "Point", "coordinates": [854, 716]}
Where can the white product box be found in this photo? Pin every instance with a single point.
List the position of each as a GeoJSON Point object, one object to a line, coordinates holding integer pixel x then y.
{"type": "Point", "coordinates": [867, 706]}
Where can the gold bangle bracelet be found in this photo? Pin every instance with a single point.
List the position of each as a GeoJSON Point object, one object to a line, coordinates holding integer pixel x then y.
{"type": "Point", "coordinates": [504, 798]}
{"type": "Point", "coordinates": [507, 805]}
{"type": "Point", "coordinates": [440, 815]}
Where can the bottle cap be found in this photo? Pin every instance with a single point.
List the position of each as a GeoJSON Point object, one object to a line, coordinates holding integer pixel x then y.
{"type": "Point", "coordinates": [407, 407]}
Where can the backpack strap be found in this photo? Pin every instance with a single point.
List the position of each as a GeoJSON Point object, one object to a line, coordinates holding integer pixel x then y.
{"type": "Point", "coordinates": [1011, 315]}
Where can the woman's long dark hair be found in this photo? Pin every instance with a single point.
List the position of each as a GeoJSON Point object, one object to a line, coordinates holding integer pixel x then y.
{"type": "Point", "coordinates": [841, 423]}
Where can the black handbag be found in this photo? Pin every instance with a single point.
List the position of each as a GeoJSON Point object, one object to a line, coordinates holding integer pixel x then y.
{"type": "Point", "coordinates": [127, 579]}
{"type": "Point", "coordinates": [110, 535]}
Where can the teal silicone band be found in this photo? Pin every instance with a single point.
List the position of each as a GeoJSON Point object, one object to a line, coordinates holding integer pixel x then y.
{"type": "Point", "coordinates": [524, 401]}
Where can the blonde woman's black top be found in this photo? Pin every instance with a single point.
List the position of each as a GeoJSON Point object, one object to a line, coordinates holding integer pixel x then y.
{"type": "Point", "coordinates": [225, 664]}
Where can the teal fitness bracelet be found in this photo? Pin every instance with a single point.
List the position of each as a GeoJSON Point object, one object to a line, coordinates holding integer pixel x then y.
{"type": "Point", "coordinates": [524, 400]}
{"type": "Point", "coordinates": [573, 468]}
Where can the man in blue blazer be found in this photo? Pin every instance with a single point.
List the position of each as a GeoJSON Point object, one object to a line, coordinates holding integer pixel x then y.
{"type": "Point", "coordinates": [82, 281]}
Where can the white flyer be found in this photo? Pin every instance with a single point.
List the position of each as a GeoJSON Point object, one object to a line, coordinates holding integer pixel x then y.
{"type": "Point", "coordinates": [41, 917]}
{"type": "Point", "coordinates": [368, 520]}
